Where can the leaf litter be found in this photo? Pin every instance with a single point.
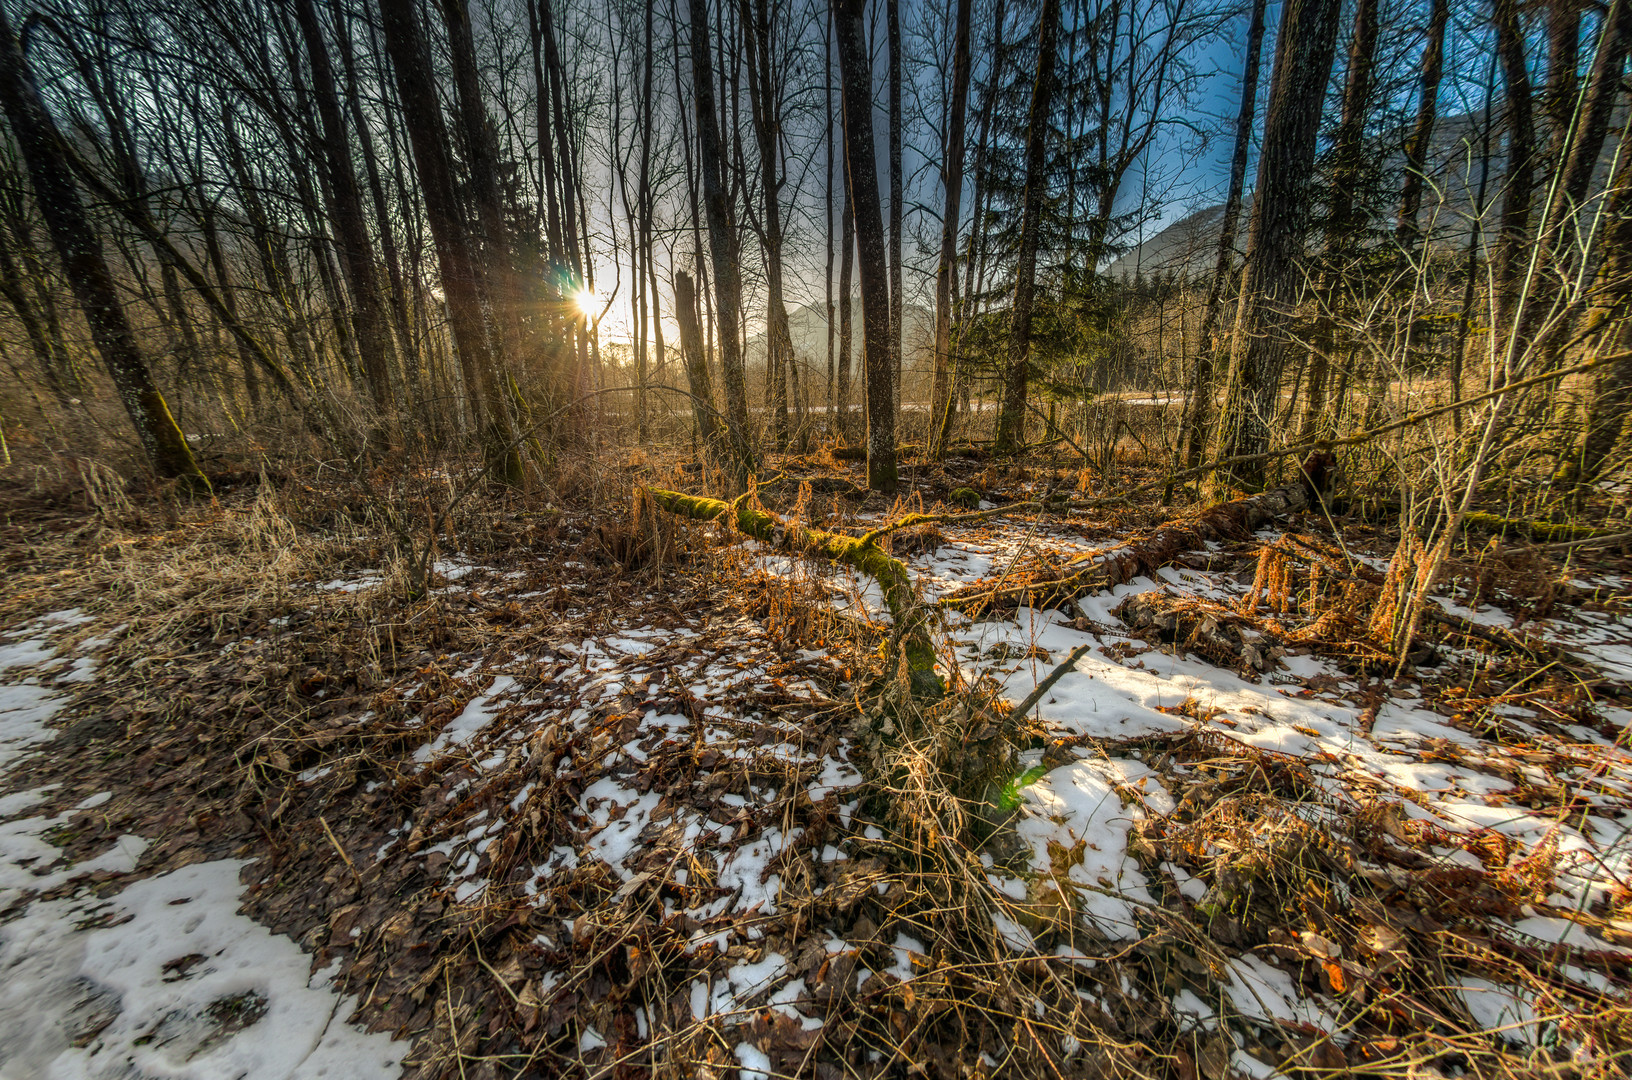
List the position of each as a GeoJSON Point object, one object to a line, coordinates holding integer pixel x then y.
{"type": "Point", "coordinates": [573, 814]}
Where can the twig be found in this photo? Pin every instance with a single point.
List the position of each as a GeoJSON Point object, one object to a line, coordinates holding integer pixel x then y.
{"type": "Point", "coordinates": [1591, 541]}
{"type": "Point", "coordinates": [321, 820]}
{"type": "Point", "coordinates": [1053, 677]}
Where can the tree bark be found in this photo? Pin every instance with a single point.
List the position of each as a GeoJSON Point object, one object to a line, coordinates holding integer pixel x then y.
{"type": "Point", "coordinates": [691, 350]}
{"type": "Point", "coordinates": [1512, 251]}
{"type": "Point", "coordinates": [397, 293]}
{"type": "Point", "coordinates": [479, 353]}
{"type": "Point", "coordinates": [1563, 80]}
{"type": "Point", "coordinates": [827, 195]}
{"type": "Point", "coordinates": [481, 152]}
{"type": "Point", "coordinates": [722, 242]}
{"type": "Point", "coordinates": [847, 328]}
{"type": "Point", "coordinates": [1280, 217]}
{"type": "Point", "coordinates": [1422, 132]}
{"type": "Point", "coordinates": [1011, 416]}
{"type": "Point", "coordinates": [892, 20]}
{"type": "Point", "coordinates": [229, 297]}
{"type": "Point", "coordinates": [940, 408]}
{"type": "Point", "coordinates": [47, 348]}
{"type": "Point", "coordinates": [368, 314]}
{"type": "Point", "coordinates": [870, 242]}
{"type": "Point", "coordinates": [766, 111]}
{"type": "Point", "coordinates": [1611, 401]}
{"type": "Point", "coordinates": [645, 199]}
{"type": "Point", "coordinates": [1198, 404]}
{"type": "Point", "coordinates": [1592, 125]}
{"type": "Point", "coordinates": [1346, 219]}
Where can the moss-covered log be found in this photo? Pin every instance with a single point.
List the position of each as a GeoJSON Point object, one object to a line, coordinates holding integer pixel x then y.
{"type": "Point", "coordinates": [912, 619]}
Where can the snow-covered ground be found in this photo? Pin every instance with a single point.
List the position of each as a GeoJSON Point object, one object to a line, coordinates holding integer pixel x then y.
{"type": "Point", "coordinates": [118, 975]}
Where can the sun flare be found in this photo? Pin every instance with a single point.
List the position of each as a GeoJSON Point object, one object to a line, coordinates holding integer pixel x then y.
{"type": "Point", "coordinates": [585, 301]}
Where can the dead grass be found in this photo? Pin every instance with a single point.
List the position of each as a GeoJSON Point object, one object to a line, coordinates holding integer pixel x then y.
{"type": "Point", "coordinates": [233, 675]}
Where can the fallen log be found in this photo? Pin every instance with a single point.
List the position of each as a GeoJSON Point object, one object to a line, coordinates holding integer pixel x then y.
{"type": "Point", "coordinates": [1105, 569]}
{"type": "Point", "coordinates": [912, 620]}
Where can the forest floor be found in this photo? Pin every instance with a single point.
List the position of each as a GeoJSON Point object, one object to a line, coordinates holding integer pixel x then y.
{"type": "Point", "coordinates": [619, 794]}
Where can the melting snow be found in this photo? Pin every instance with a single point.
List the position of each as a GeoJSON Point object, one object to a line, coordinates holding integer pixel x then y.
{"type": "Point", "coordinates": [162, 980]}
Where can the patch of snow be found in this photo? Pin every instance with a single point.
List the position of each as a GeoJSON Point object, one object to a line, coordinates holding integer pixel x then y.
{"type": "Point", "coordinates": [1077, 808]}
{"type": "Point", "coordinates": [755, 1065]}
{"type": "Point", "coordinates": [1267, 993]}
{"type": "Point", "coordinates": [475, 716]}
{"type": "Point", "coordinates": [184, 989]}
{"type": "Point", "coordinates": [1503, 1009]}
{"type": "Point", "coordinates": [24, 710]}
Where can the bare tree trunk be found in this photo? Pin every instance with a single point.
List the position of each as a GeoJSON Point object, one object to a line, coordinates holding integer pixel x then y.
{"type": "Point", "coordinates": [847, 328]}
{"type": "Point", "coordinates": [557, 286]}
{"type": "Point", "coordinates": [1198, 404]}
{"type": "Point", "coordinates": [1011, 416]}
{"type": "Point", "coordinates": [398, 295]}
{"type": "Point", "coordinates": [50, 172]}
{"type": "Point", "coordinates": [565, 166]}
{"type": "Point", "coordinates": [994, 80]}
{"type": "Point", "coordinates": [368, 316]}
{"type": "Point", "coordinates": [229, 297]}
{"type": "Point", "coordinates": [1422, 133]}
{"type": "Point", "coordinates": [697, 377]}
{"type": "Point", "coordinates": [1592, 125]}
{"type": "Point", "coordinates": [1568, 220]}
{"type": "Point", "coordinates": [482, 168]}
{"type": "Point", "coordinates": [1611, 401]}
{"type": "Point", "coordinates": [870, 242]}
{"type": "Point", "coordinates": [1345, 220]}
{"type": "Point", "coordinates": [940, 407]}
{"type": "Point", "coordinates": [1280, 216]}
{"type": "Point", "coordinates": [892, 19]}
{"type": "Point", "coordinates": [756, 17]}
{"type": "Point", "coordinates": [722, 241]}
{"type": "Point", "coordinates": [827, 193]}
{"type": "Point", "coordinates": [646, 209]}
{"type": "Point", "coordinates": [1563, 82]}
{"type": "Point", "coordinates": [1512, 251]}
{"type": "Point", "coordinates": [461, 276]}
{"type": "Point", "coordinates": [46, 346]}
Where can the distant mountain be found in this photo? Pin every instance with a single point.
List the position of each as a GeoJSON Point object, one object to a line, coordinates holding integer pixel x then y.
{"type": "Point", "coordinates": [1189, 246]}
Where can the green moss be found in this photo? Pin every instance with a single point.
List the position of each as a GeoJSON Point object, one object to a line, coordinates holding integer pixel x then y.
{"type": "Point", "coordinates": [910, 617]}
{"type": "Point", "coordinates": [967, 498]}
